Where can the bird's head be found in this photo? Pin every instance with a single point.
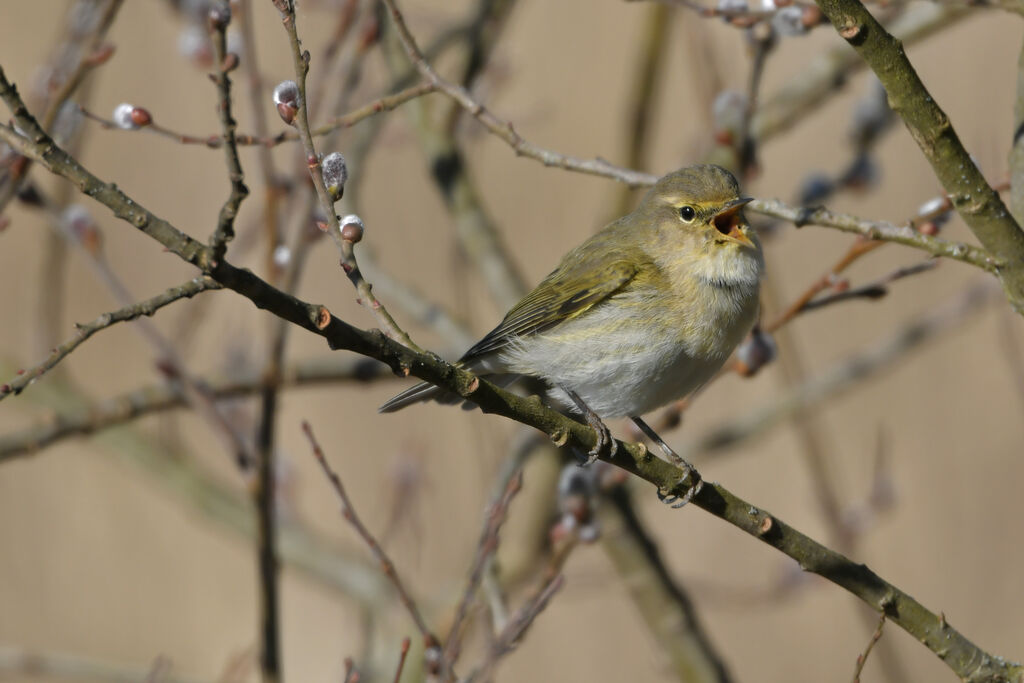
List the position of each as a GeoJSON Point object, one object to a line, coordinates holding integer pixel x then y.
{"type": "Point", "coordinates": [697, 213]}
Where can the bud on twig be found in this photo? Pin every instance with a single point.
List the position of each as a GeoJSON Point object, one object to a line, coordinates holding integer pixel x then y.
{"type": "Point", "coordinates": [286, 97]}
{"type": "Point", "coordinates": [219, 16]}
{"type": "Point", "coordinates": [352, 228]}
{"type": "Point", "coordinates": [757, 351]}
{"type": "Point", "coordinates": [129, 117]}
{"type": "Point", "coordinates": [335, 173]}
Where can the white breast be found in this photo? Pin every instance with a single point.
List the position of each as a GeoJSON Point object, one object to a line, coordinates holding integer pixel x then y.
{"type": "Point", "coordinates": [621, 363]}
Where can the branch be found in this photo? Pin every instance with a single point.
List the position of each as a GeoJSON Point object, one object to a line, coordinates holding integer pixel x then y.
{"type": "Point", "coordinates": [502, 128]}
{"type": "Point", "coordinates": [974, 199]}
{"type": "Point", "coordinates": [147, 308]}
{"type": "Point", "coordinates": [878, 230]}
{"type": "Point", "coordinates": [219, 17]}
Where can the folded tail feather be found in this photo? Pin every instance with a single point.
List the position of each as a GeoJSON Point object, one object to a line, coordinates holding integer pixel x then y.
{"type": "Point", "coordinates": [425, 391]}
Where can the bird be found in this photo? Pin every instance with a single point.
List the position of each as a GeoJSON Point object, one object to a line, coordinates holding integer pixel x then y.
{"type": "Point", "coordinates": [642, 313]}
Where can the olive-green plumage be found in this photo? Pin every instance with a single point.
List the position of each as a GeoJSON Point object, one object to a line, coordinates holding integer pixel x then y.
{"type": "Point", "coordinates": [640, 314]}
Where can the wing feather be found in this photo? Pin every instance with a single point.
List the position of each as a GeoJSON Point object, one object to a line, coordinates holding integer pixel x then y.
{"type": "Point", "coordinates": [576, 291]}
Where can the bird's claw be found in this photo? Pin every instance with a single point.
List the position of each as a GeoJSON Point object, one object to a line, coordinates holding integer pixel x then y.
{"type": "Point", "coordinates": [605, 442]}
{"type": "Point", "coordinates": [696, 484]}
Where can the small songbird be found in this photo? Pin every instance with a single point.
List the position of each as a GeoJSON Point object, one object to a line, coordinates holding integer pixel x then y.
{"type": "Point", "coordinates": [641, 314]}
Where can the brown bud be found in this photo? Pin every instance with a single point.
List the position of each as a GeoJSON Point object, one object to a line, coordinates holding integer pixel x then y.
{"type": "Point", "coordinates": [928, 228]}
{"type": "Point", "coordinates": [323, 318]}
{"type": "Point", "coordinates": [287, 112]}
{"type": "Point", "coordinates": [141, 117]}
{"type": "Point", "coordinates": [352, 229]}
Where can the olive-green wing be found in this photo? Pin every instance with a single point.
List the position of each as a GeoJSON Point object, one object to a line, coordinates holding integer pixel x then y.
{"type": "Point", "coordinates": [565, 293]}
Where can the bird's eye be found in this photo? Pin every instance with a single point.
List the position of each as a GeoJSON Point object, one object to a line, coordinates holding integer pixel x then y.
{"type": "Point", "coordinates": [687, 213]}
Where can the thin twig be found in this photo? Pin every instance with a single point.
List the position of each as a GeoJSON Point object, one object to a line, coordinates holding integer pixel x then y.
{"type": "Point", "coordinates": [862, 658]}
{"type": "Point", "coordinates": [401, 660]}
{"type": "Point", "coordinates": [386, 565]}
{"type": "Point", "coordinates": [871, 290]}
{"type": "Point", "coordinates": [878, 230]}
{"type": "Point", "coordinates": [148, 307]}
{"type": "Point", "coordinates": [301, 121]}
{"type": "Point", "coordinates": [486, 547]}
{"type": "Point", "coordinates": [220, 16]}
{"type": "Point", "coordinates": [500, 127]}
{"type": "Point", "coordinates": [372, 108]}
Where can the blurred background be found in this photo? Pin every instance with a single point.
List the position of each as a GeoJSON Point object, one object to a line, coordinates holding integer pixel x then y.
{"type": "Point", "coordinates": [133, 546]}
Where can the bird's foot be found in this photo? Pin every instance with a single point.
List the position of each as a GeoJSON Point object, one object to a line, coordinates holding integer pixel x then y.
{"type": "Point", "coordinates": [606, 444]}
{"type": "Point", "coordinates": [693, 482]}
{"type": "Point", "coordinates": [690, 474]}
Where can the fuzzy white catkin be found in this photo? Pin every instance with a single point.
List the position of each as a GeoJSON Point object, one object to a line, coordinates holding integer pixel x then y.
{"type": "Point", "coordinates": [123, 116]}
{"type": "Point", "coordinates": [287, 92]}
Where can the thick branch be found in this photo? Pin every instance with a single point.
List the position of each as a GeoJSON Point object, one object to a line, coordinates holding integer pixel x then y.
{"type": "Point", "coordinates": [974, 199]}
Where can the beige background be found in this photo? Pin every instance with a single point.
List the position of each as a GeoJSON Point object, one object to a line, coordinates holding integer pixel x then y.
{"type": "Point", "coordinates": [99, 559]}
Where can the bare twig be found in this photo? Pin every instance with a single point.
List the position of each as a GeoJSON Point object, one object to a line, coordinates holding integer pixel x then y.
{"type": "Point", "coordinates": [301, 121]}
{"type": "Point", "coordinates": [219, 17]}
{"type": "Point", "coordinates": [386, 565]}
{"type": "Point", "coordinates": [38, 663]}
{"type": "Point", "coordinates": [862, 658]}
{"type": "Point", "coordinates": [878, 230]}
{"type": "Point", "coordinates": [485, 548]}
{"type": "Point", "coordinates": [86, 330]}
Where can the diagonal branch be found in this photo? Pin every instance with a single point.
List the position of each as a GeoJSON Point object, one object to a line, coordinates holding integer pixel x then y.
{"type": "Point", "coordinates": [147, 307]}
{"type": "Point", "coordinates": [974, 199]}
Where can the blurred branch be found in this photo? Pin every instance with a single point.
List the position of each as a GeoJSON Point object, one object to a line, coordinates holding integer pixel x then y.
{"type": "Point", "coordinates": [86, 330]}
{"type": "Point", "coordinates": [488, 543]}
{"type": "Point", "coordinates": [826, 74]}
{"type": "Point", "coordinates": [843, 375]}
{"type": "Point", "coordinates": [35, 663]}
{"type": "Point", "coordinates": [650, 66]}
{"type": "Point", "coordinates": [109, 413]}
{"type": "Point", "coordinates": [478, 236]}
{"type": "Point", "coordinates": [502, 128]}
{"type": "Point", "coordinates": [80, 55]}
{"type": "Point", "coordinates": [974, 199]}
{"type": "Point", "coordinates": [958, 653]}
{"type": "Point", "coordinates": [387, 567]}
{"type": "Point", "coordinates": [661, 600]}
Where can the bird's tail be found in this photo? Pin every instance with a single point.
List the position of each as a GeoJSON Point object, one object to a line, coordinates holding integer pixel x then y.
{"type": "Point", "coordinates": [421, 393]}
{"type": "Point", "coordinates": [425, 391]}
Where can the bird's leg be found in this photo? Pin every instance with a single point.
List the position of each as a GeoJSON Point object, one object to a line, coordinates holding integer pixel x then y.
{"type": "Point", "coordinates": [689, 472]}
{"type": "Point", "coordinates": [605, 442]}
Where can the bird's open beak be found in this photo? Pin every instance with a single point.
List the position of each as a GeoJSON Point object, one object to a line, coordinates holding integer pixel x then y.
{"type": "Point", "coordinates": [730, 222]}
